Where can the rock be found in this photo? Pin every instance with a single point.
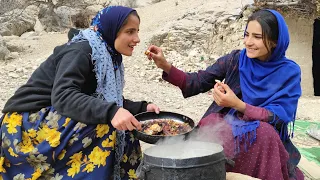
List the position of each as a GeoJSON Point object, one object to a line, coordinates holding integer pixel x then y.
{"type": "Point", "coordinates": [57, 15]}
{"type": "Point", "coordinates": [16, 46]}
{"type": "Point", "coordinates": [64, 13]}
{"type": "Point", "coordinates": [28, 34]}
{"type": "Point", "coordinates": [55, 2]}
{"type": "Point", "coordinates": [9, 38]}
{"type": "Point", "coordinates": [3, 49]}
{"type": "Point", "coordinates": [94, 9]}
{"type": "Point", "coordinates": [48, 18]}
{"type": "Point", "coordinates": [24, 22]}
{"type": "Point", "coordinates": [13, 55]}
{"type": "Point", "coordinates": [235, 38]}
{"type": "Point", "coordinates": [19, 70]}
{"type": "Point", "coordinates": [193, 53]}
{"type": "Point", "coordinates": [193, 32]}
{"type": "Point", "coordinates": [173, 39]}
{"type": "Point", "coordinates": [152, 77]}
{"type": "Point", "coordinates": [11, 68]}
{"type": "Point", "coordinates": [158, 38]}
{"type": "Point", "coordinates": [145, 63]}
{"type": "Point", "coordinates": [38, 26]}
{"type": "Point", "coordinates": [13, 75]}
{"type": "Point", "coordinates": [142, 74]}
{"type": "Point", "coordinates": [25, 77]}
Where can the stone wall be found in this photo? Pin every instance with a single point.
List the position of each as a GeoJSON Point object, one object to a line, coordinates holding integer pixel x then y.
{"type": "Point", "coordinates": [300, 50]}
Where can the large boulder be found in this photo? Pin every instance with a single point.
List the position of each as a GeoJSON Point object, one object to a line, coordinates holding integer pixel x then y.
{"type": "Point", "coordinates": [47, 18]}
{"type": "Point", "coordinates": [84, 17]}
{"type": "Point", "coordinates": [56, 15]}
{"type": "Point", "coordinates": [18, 21]}
{"type": "Point", "coordinates": [17, 45]}
{"type": "Point", "coordinates": [64, 13]}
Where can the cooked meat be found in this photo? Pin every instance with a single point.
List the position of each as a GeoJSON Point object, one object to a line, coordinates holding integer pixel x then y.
{"type": "Point", "coordinates": [166, 127]}
{"type": "Point", "coordinates": [156, 127]}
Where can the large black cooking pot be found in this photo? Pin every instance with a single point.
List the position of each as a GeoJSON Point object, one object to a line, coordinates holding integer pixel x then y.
{"type": "Point", "coordinates": [199, 161]}
{"type": "Point", "coordinates": [152, 139]}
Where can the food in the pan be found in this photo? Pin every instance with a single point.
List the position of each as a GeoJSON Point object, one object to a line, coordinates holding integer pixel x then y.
{"type": "Point", "coordinates": [165, 127]}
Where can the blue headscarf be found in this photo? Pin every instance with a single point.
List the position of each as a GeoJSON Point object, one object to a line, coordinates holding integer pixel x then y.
{"type": "Point", "coordinates": [108, 64]}
{"type": "Point", "coordinates": [109, 21]}
{"type": "Point", "coordinates": [273, 84]}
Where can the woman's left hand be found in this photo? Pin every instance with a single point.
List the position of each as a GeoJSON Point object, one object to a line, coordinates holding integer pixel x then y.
{"type": "Point", "coordinates": [227, 99]}
{"type": "Point", "coordinates": [153, 108]}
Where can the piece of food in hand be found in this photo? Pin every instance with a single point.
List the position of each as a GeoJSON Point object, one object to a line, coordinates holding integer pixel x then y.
{"type": "Point", "coordinates": [220, 87]}
{"type": "Point", "coordinates": [147, 52]}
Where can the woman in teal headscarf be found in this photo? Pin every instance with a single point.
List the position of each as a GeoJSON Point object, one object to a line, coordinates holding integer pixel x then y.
{"type": "Point", "coordinates": [70, 120]}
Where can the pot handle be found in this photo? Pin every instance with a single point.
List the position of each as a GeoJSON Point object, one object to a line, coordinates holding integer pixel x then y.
{"type": "Point", "coordinates": [141, 170]}
{"type": "Point", "coordinates": [230, 162]}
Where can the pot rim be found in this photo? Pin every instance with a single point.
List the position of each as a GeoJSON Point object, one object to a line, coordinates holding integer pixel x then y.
{"type": "Point", "coordinates": [184, 163]}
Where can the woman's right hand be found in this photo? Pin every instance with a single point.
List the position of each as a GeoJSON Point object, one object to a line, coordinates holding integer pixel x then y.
{"type": "Point", "coordinates": [124, 120]}
{"type": "Point", "coordinates": [155, 53]}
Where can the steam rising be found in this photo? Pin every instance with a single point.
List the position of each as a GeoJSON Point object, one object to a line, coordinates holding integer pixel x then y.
{"type": "Point", "coordinates": [204, 141]}
{"type": "Point", "coordinates": [184, 150]}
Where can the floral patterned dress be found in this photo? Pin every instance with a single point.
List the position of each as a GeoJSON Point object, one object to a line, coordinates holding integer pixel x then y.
{"type": "Point", "coordinates": [46, 145]}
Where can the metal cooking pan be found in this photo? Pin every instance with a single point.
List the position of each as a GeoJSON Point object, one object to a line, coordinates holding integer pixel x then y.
{"type": "Point", "coordinates": [152, 139]}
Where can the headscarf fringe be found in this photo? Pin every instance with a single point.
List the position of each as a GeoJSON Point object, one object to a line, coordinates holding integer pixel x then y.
{"type": "Point", "coordinates": [246, 133]}
{"type": "Point", "coordinates": [286, 130]}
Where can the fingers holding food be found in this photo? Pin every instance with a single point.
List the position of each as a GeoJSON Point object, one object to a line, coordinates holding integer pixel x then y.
{"type": "Point", "coordinates": [147, 52]}
{"type": "Point", "coordinates": [219, 86]}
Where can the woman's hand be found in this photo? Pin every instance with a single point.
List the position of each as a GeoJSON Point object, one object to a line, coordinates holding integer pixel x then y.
{"type": "Point", "coordinates": [124, 120]}
{"type": "Point", "coordinates": [153, 108]}
{"type": "Point", "coordinates": [155, 53]}
{"type": "Point", "coordinates": [227, 99]}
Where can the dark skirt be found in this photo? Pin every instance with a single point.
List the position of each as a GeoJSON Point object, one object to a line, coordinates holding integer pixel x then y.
{"type": "Point", "coordinates": [267, 158]}
{"type": "Point", "coordinates": [46, 145]}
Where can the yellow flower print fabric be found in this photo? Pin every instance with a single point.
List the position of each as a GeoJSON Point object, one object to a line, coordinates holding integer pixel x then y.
{"type": "Point", "coordinates": [46, 145]}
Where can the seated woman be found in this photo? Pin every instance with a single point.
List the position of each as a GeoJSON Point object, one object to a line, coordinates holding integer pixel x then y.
{"type": "Point", "coordinates": [70, 120]}
{"type": "Point", "coordinates": [257, 101]}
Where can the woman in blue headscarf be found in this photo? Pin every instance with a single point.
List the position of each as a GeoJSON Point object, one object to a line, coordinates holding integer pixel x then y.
{"type": "Point", "coordinates": [70, 120]}
{"type": "Point", "coordinates": [256, 105]}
